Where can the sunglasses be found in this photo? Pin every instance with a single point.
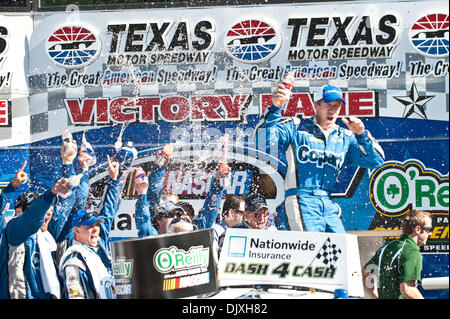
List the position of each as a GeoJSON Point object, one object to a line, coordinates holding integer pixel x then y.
{"type": "Point", "coordinates": [260, 213]}
{"type": "Point", "coordinates": [175, 213]}
{"type": "Point", "coordinates": [179, 219]}
{"type": "Point", "coordinates": [84, 218]}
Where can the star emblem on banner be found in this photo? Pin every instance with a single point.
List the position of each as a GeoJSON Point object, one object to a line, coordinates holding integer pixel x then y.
{"type": "Point", "coordinates": [414, 103]}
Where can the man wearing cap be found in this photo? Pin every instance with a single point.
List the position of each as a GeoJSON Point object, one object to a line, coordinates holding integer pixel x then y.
{"type": "Point", "coordinates": [27, 248]}
{"type": "Point", "coordinates": [314, 151]}
{"type": "Point", "coordinates": [86, 267]}
{"type": "Point", "coordinates": [69, 205]}
{"type": "Point", "coordinates": [256, 214]}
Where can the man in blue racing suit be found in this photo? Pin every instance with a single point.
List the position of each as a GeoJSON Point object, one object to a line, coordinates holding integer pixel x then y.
{"type": "Point", "coordinates": [86, 267]}
{"type": "Point", "coordinates": [314, 151]}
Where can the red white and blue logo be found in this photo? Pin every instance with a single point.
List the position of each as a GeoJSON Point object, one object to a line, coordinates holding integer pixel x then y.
{"type": "Point", "coordinates": [252, 41]}
{"type": "Point", "coordinates": [429, 35]}
{"type": "Point", "coordinates": [73, 47]}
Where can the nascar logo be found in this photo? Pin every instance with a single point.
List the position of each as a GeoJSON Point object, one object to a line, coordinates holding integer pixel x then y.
{"type": "Point", "coordinates": [252, 41]}
{"type": "Point", "coordinates": [429, 35]}
{"type": "Point", "coordinates": [72, 47]}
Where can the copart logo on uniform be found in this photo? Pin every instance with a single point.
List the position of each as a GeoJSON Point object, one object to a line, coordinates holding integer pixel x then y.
{"type": "Point", "coordinates": [73, 47]}
{"type": "Point", "coordinates": [396, 188]}
{"type": "Point", "coordinates": [320, 157]}
{"type": "Point", "coordinates": [430, 35]}
{"type": "Point", "coordinates": [252, 41]}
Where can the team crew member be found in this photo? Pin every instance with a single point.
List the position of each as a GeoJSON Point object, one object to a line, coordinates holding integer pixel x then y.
{"type": "Point", "coordinates": [27, 249]}
{"type": "Point", "coordinates": [86, 267]}
{"type": "Point", "coordinates": [68, 206]}
{"type": "Point", "coordinates": [232, 214]}
{"type": "Point", "coordinates": [256, 214]}
{"type": "Point", "coordinates": [314, 151]}
{"type": "Point", "coordinates": [7, 195]}
{"type": "Point", "coordinates": [398, 265]}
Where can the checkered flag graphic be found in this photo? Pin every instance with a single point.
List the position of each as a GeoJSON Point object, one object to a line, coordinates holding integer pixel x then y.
{"type": "Point", "coordinates": [329, 253]}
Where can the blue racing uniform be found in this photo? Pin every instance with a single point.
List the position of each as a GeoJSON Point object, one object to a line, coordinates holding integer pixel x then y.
{"type": "Point", "coordinates": [147, 203]}
{"type": "Point", "coordinates": [78, 278]}
{"type": "Point", "coordinates": [20, 262]}
{"type": "Point", "coordinates": [64, 211]}
{"type": "Point", "coordinates": [6, 197]}
{"type": "Point", "coordinates": [207, 216]}
{"type": "Point", "coordinates": [313, 163]}
{"type": "Point", "coordinates": [143, 218]}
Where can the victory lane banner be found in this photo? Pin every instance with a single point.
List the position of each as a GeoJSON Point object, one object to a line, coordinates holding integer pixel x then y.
{"type": "Point", "coordinates": [166, 266]}
{"type": "Point", "coordinates": [302, 259]}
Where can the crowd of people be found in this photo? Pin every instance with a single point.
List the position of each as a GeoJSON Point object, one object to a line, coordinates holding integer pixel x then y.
{"type": "Point", "coordinates": [56, 247]}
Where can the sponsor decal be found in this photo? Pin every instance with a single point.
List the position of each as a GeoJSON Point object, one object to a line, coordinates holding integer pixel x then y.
{"type": "Point", "coordinates": [72, 46]}
{"type": "Point", "coordinates": [396, 188]}
{"type": "Point", "coordinates": [5, 113]}
{"type": "Point", "coordinates": [320, 157]}
{"type": "Point", "coordinates": [252, 41]}
{"type": "Point", "coordinates": [183, 269]}
{"type": "Point", "coordinates": [429, 35]}
{"type": "Point", "coordinates": [414, 103]}
{"type": "Point", "coordinates": [174, 259]}
{"type": "Point", "coordinates": [335, 38]}
{"type": "Point", "coordinates": [438, 240]}
{"type": "Point", "coordinates": [167, 42]}
{"type": "Point", "coordinates": [122, 268]}
{"type": "Point", "coordinates": [323, 265]}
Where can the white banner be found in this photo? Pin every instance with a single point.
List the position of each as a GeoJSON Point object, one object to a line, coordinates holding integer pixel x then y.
{"type": "Point", "coordinates": [87, 63]}
{"type": "Point", "coordinates": [15, 33]}
{"type": "Point", "coordinates": [303, 259]}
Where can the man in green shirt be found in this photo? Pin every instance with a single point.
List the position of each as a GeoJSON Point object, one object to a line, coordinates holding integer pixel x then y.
{"type": "Point", "coordinates": [397, 266]}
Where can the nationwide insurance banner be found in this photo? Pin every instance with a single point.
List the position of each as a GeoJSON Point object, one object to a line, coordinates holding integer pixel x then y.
{"type": "Point", "coordinates": [192, 76]}
{"type": "Point", "coordinates": [300, 259]}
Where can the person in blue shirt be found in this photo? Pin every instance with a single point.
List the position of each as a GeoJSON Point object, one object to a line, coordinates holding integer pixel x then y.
{"type": "Point", "coordinates": [314, 152]}
{"type": "Point", "coordinates": [85, 267]}
{"type": "Point", "coordinates": [8, 193]}
{"type": "Point", "coordinates": [27, 249]}
{"type": "Point", "coordinates": [68, 206]}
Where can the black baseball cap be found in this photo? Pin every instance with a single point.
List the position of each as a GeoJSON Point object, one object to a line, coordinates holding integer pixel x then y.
{"type": "Point", "coordinates": [255, 202]}
{"type": "Point", "coordinates": [167, 208]}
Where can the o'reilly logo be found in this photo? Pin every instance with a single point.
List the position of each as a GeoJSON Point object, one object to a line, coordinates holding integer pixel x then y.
{"type": "Point", "coordinates": [123, 268]}
{"type": "Point", "coordinates": [396, 188]}
{"type": "Point", "coordinates": [173, 259]}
